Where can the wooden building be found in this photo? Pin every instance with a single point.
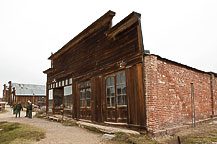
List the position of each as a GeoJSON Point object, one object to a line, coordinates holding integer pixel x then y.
{"type": "Point", "coordinates": [104, 76]}
{"type": "Point", "coordinates": [97, 75]}
{"type": "Point", "coordinates": [23, 92]}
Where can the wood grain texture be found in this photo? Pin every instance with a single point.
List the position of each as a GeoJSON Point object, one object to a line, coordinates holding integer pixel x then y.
{"type": "Point", "coordinates": [97, 56]}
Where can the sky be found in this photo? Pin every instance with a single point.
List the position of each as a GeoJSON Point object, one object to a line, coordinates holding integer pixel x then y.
{"type": "Point", "coordinates": [184, 31]}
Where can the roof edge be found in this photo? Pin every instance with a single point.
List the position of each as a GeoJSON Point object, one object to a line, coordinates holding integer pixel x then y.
{"type": "Point", "coordinates": [87, 31]}
{"type": "Point", "coordinates": [124, 24]}
{"type": "Point", "coordinates": [186, 66]}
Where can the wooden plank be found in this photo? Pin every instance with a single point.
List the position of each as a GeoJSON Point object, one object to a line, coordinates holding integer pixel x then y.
{"type": "Point", "coordinates": [135, 95]}
{"type": "Point", "coordinates": [141, 120]}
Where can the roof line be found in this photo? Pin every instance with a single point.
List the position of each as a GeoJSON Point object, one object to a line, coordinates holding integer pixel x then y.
{"type": "Point", "coordinates": [105, 18]}
{"type": "Point", "coordinates": [186, 66]}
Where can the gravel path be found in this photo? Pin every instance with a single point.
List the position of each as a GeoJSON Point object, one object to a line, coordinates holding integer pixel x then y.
{"type": "Point", "coordinates": [56, 133]}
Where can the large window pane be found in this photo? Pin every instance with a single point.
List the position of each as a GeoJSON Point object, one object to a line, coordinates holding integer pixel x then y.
{"type": "Point", "coordinates": [118, 79]}
{"type": "Point", "coordinates": [110, 91]}
{"type": "Point", "coordinates": [108, 82]}
{"type": "Point", "coordinates": [82, 98]}
{"type": "Point", "coordinates": [68, 97]}
{"type": "Point", "coordinates": [123, 78]}
{"type": "Point", "coordinates": [88, 96]}
{"type": "Point", "coordinates": [50, 100]}
{"type": "Point", "coordinates": [58, 98]}
{"type": "Point", "coordinates": [70, 81]}
{"type": "Point", "coordinates": [118, 89]}
{"type": "Point", "coordinates": [121, 88]}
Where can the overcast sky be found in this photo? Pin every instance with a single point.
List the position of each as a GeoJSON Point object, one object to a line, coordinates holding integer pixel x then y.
{"type": "Point", "coordinates": [184, 31]}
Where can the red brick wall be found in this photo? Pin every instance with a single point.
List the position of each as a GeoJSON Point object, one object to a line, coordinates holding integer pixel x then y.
{"type": "Point", "coordinates": [152, 109]}
{"type": "Point", "coordinates": [215, 94]}
{"type": "Point", "coordinates": [168, 93]}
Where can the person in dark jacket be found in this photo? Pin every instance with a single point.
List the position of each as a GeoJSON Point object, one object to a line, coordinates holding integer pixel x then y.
{"type": "Point", "coordinates": [18, 108]}
{"type": "Point", "coordinates": [14, 108]}
{"type": "Point", "coordinates": [27, 109]}
{"type": "Point", "coordinates": [30, 110]}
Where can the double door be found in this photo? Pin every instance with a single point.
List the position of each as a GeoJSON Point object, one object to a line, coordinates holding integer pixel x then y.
{"type": "Point", "coordinates": [116, 98]}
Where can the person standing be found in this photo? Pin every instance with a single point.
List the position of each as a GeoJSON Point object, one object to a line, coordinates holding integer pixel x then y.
{"type": "Point", "coordinates": [30, 109]}
{"type": "Point", "coordinates": [27, 109]}
{"type": "Point", "coordinates": [18, 108]}
{"type": "Point", "coordinates": [14, 108]}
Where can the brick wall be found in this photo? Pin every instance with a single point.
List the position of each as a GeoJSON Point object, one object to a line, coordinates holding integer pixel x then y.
{"type": "Point", "coordinates": [168, 93]}
{"type": "Point", "coordinates": [150, 73]}
{"type": "Point", "coordinates": [215, 94]}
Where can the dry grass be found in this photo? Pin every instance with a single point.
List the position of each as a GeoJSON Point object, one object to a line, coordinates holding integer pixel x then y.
{"type": "Point", "coordinates": [204, 133]}
{"type": "Point", "coordinates": [133, 139]}
{"type": "Point", "coordinates": [12, 133]}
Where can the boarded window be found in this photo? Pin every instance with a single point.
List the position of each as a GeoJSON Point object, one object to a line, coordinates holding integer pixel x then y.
{"type": "Point", "coordinates": [68, 97]}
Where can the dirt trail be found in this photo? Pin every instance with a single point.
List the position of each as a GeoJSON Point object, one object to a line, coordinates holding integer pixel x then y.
{"type": "Point", "coordinates": [56, 133]}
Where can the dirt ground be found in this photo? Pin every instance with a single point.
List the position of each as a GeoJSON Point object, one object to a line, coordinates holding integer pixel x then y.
{"type": "Point", "coordinates": [56, 133]}
{"type": "Point", "coordinates": [203, 133]}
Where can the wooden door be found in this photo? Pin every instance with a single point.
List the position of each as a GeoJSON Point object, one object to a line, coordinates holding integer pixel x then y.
{"type": "Point", "coordinates": [58, 100]}
{"type": "Point", "coordinates": [85, 100]}
{"type": "Point", "coordinates": [116, 101]}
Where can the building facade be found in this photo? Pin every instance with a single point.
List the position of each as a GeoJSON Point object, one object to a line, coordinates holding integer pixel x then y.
{"type": "Point", "coordinates": [103, 75]}
{"type": "Point", "coordinates": [15, 92]}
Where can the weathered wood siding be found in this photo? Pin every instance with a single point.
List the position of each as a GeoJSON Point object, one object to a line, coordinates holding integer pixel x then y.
{"type": "Point", "coordinates": [97, 56]}
{"type": "Point", "coordinates": [34, 100]}
{"type": "Point", "coordinates": [135, 95]}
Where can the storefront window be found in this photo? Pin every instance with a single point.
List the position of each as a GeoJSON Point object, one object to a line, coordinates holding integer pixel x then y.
{"type": "Point", "coordinates": [121, 89]}
{"type": "Point", "coordinates": [110, 91]}
{"type": "Point", "coordinates": [85, 94]}
{"type": "Point", "coordinates": [58, 97]}
{"type": "Point", "coordinates": [66, 82]}
{"type": "Point", "coordinates": [50, 100]}
{"type": "Point", "coordinates": [118, 92]}
{"type": "Point", "coordinates": [68, 97]}
{"type": "Point", "coordinates": [82, 98]}
{"type": "Point", "coordinates": [70, 81]}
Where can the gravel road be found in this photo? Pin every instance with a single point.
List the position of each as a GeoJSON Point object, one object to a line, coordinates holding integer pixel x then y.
{"type": "Point", "coordinates": [56, 133]}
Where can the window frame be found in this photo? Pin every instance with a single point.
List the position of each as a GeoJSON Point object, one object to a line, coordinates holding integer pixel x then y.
{"type": "Point", "coordinates": [84, 87]}
{"type": "Point", "coordinates": [122, 84]}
